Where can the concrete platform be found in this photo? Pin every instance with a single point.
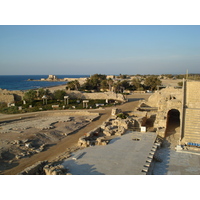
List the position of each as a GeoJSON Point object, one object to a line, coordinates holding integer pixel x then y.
{"type": "Point", "coordinates": [177, 162]}
{"type": "Point", "coordinates": [122, 156]}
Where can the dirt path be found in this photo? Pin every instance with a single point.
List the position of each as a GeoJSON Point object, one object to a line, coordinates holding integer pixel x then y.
{"type": "Point", "coordinates": [72, 140]}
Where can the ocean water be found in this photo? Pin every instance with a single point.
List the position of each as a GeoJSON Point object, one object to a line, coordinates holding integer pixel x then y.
{"type": "Point", "coordinates": [19, 82]}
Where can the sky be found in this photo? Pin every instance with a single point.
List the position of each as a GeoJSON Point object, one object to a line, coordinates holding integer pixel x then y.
{"type": "Point", "coordinates": [103, 49]}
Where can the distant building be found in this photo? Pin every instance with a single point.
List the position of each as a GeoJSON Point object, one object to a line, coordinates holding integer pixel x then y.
{"type": "Point", "coordinates": [110, 76]}
{"type": "Point", "coordinates": [52, 77]}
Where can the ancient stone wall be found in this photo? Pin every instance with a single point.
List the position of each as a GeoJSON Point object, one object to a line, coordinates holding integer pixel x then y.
{"type": "Point", "coordinates": [162, 96]}
{"type": "Point", "coordinates": [70, 113]}
{"type": "Point", "coordinates": [10, 96]}
{"type": "Point", "coordinates": [165, 100]}
{"type": "Point", "coordinates": [7, 98]}
{"type": "Point", "coordinates": [193, 94]}
{"type": "Point", "coordinates": [95, 95]}
{"type": "Point", "coordinates": [192, 112]}
{"type": "Point", "coordinates": [171, 98]}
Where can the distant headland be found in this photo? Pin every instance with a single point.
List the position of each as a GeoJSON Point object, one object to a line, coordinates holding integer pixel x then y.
{"type": "Point", "coordinates": [55, 78]}
{"type": "Point", "coordinates": [50, 78]}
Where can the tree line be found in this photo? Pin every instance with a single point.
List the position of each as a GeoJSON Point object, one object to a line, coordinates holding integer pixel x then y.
{"type": "Point", "coordinates": [99, 82]}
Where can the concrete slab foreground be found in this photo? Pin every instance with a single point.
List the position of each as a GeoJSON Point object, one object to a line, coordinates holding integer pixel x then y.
{"type": "Point", "coordinates": [122, 156]}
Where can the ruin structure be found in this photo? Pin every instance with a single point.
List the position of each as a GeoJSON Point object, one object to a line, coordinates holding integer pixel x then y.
{"type": "Point", "coordinates": [178, 112]}
{"type": "Point", "coordinates": [95, 95]}
{"type": "Point", "coordinates": [7, 96]}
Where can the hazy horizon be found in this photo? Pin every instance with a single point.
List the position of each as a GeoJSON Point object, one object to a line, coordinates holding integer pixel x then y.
{"type": "Point", "coordinates": [90, 49]}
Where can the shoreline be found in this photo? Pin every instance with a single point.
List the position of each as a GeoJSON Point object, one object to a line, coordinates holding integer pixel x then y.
{"type": "Point", "coordinates": [24, 83]}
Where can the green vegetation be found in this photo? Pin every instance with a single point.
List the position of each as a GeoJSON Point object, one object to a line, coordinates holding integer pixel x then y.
{"type": "Point", "coordinates": [136, 85]}
{"type": "Point", "coordinates": [56, 98]}
{"type": "Point", "coordinates": [122, 115]}
{"type": "Point", "coordinates": [152, 82]}
{"type": "Point", "coordinates": [59, 94]}
{"type": "Point", "coordinates": [73, 85]}
{"type": "Point", "coordinates": [94, 82]}
{"type": "Point", "coordinates": [30, 96]}
{"type": "Point", "coordinates": [42, 92]}
{"type": "Point", "coordinates": [180, 84]}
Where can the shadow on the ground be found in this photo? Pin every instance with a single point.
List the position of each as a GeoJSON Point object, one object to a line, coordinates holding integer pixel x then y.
{"type": "Point", "coordinates": [6, 165]}
{"type": "Point", "coordinates": [161, 164]}
{"type": "Point", "coordinates": [134, 99]}
{"type": "Point", "coordinates": [81, 169]}
{"type": "Point", "coordinates": [114, 140]}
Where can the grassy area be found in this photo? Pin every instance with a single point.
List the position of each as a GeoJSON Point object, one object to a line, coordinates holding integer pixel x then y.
{"type": "Point", "coordinates": [38, 105]}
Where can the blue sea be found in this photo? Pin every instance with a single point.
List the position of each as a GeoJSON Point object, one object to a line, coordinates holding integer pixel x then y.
{"type": "Point", "coordinates": [20, 82]}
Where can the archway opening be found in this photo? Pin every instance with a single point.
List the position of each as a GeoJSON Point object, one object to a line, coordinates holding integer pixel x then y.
{"type": "Point", "coordinates": [173, 122]}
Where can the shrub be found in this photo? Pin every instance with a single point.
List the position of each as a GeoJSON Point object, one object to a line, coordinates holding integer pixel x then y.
{"type": "Point", "coordinates": [122, 115]}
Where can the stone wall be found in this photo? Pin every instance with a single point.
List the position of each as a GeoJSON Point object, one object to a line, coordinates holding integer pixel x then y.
{"type": "Point", "coordinates": [99, 135]}
{"type": "Point", "coordinates": [10, 96]}
{"type": "Point", "coordinates": [44, 168]}
{"type": "Point", "coordinates": [193, 94]}
{"type": "Point", "coordinates": [164, 95]}
{"type": "Point", "coordinates": [192, 112]}
{"type": "Point", "coordinates": [95, 95]}
{"type": "Point", "coordinates": [171, 98]}
{"type": "Point", "coordinates": [165, 100]}
{"type": "Point", "coordinates": [7, 98]}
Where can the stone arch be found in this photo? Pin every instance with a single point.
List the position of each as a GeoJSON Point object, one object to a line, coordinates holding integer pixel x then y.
{"type": "Point", "coordinates": [173, 124]}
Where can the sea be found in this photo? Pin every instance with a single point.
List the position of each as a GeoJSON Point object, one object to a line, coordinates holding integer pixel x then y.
{"type": "Point", "coordinates": [20, 82]}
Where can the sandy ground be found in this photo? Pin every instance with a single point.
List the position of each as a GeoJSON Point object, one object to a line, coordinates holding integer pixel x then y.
{"type": "Point", "coordinates": [25, 137]}
{"type": "Point", "coordinates": [169, 82]}
{"type": "Point", "coordinates": [59, 87]}
{"type": "Point", "coordinates": [50, 143]}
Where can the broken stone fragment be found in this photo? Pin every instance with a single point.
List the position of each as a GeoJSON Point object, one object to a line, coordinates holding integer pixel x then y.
{"type": "Point", "coordinates": [17, 157]}
{"type": "Point", "coordinates": [54, 170]}
{"type": "Point", "coordinates": [28, 145]}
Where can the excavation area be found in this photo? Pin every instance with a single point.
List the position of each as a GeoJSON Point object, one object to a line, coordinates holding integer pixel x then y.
{"type": "Point", "coordinates": [25, 137]}
{"type": "Point", "coordinates": [129, 154]}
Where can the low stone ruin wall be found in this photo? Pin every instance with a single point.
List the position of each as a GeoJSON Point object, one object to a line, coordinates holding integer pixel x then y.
{"type": "Point", "coordinates": [7, 98]}
{"type": "Point", "coordinates": [10, 96]}
{"type": "Point", "coordinates": [70, 113]}
{"type": "Point", "coordinates": [109, 128]}
{"type": "Point", "coordinates": [35, 169]}
{"type": "Point", "coordinates": [45, 168]}
{"type": "Point", "coordinates": [95, 95]}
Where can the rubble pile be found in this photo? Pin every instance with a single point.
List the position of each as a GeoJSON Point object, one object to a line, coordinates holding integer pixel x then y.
{"type": "Point", "coordinates": [45, 168]}
{"type": "Point", "coordinates": [99, 136]}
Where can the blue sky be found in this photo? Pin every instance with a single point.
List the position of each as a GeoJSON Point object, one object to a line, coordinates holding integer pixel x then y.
{"type": "Point", "coordinates": [26, 50]}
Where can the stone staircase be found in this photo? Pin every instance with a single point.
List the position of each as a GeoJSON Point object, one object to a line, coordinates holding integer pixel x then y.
{"type": "Point", "coordinates": [192, 125]}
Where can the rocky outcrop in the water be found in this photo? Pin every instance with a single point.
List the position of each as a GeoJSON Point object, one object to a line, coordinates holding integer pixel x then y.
{"type": "Point", "coordinates": [50, 78]}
